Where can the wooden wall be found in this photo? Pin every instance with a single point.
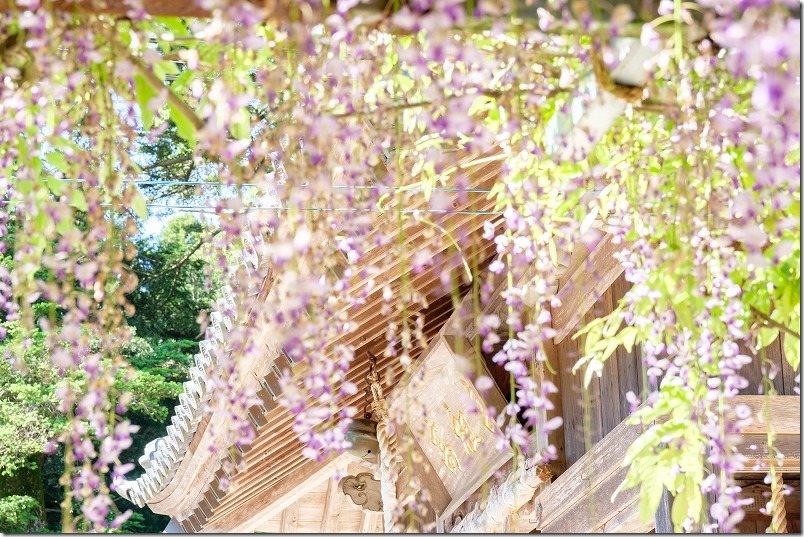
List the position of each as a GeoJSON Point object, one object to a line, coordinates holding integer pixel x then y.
{"type": "Point", "coordinates": [757, 522]}
{"type": "Point", "coordinates": [590, 415]}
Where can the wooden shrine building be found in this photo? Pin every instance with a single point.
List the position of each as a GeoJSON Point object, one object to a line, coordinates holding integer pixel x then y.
{"type": "Point", "coordinates": [472, 482]}
{"type": "Point", "coordinates": [279, 490]}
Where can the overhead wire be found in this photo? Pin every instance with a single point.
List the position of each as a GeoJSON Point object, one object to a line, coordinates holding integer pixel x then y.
{"type": "Point", "coordinates": [339, 187]}
{"type": "Point", "coordinates": [208, 208]}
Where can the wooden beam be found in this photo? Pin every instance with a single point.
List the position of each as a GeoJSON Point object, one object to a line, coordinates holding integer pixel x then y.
{"type": "Point", "coordinates": [368, 522]}
{"type": "Point", "coordinates": [584, 283]}
{"type": "Point", "coordinates": [628, 521]}
{"type": "Point", "coordinates": [784, 412]}
{"type": "Point", "coordinates": [259, 509]}
{"type": "Point", "coordinates": [332, 507]}
{"type": "Point", "coordinates": [289, 523]}
{"type": "Point", "coordinates": [579, 501]}
{"type": "Point", "coordinates": [661, 518]}
{"type": "Point", "coordinates": [551, 372]}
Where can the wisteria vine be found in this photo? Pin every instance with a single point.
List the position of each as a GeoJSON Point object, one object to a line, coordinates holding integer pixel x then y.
{"type": "Point", "coordinates": [344, 118]}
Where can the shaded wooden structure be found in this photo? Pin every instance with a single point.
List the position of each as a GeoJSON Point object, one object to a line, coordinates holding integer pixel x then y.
{"type": "Point", "coordinates": [278, 489]}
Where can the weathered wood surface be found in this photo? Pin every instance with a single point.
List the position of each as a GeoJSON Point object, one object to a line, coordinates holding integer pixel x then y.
{"type": "Point", "coordinates": [307, 513]}
{"type": "Point", "coordinates": [629, 364]}
{"type": "Point", "coordinates": [441, 380]}
{"type": "Point", "coordinates": [332, 507]}
{"type": "Point", "coordinates": [611, 395]}
{"type": "Point", "coordinates": [579, 500]}
{"type": "Point", "coordinates": [368, 522]}
{"type": "Point", "coordinates": [584, 283]}
{"type": "Point", "coordinates": [551, 372]}
{"type": "Point", "coordinates": [290, 519]}
{"type": "Point", "coordinates": [414, 458]}
{"type": "Point", "coordinates": [582, 407]}
{"type": "Point", "coordinates": [286, 492]}
{"type": "Point", "coordinates": [771, 357]}
{"type": "Point", "coordinates": [784, 412]}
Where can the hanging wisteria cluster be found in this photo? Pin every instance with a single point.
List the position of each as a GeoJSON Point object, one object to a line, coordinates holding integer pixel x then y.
{"type": "Point", "coordinates": [331, 110]}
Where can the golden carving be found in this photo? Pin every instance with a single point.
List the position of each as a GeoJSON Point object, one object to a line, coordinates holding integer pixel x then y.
{"type": "Point", "coordinates": [461, 428]}
{"type": "Point", "coordinates": [487, 421]}
{"type": "Point", "coordinates": [449, 456]}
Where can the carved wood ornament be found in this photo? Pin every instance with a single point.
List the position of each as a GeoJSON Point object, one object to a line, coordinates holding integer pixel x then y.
{"type": "Point", "coordinates": [363, 490]}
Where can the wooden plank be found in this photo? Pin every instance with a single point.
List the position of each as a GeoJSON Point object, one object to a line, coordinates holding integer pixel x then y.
{"type": "Point", "coordinates": [556, 437]}
{"type": "Point", "coordinates": [628, 521]}
{"type": "Point", "coordinates": [572, 400]}
{"type": "Point", "coordinates": [610, 392]}
{"type": "Point", "coordinates": [332, 504]}
{"type": "Point", "coordinates": [199, 432]}
{"type": "Point", "coordinates": [155, 8]}
{"type": "Point", "coordinates": [663, 522]}
{"type": "Point", "coordinates": [775, 356]}
{"type": "Point", "coordinates": [788, 373]}
{"type": "Point", "coordinates": [753, 371]}
{"type": "Point", "coordinates": [289, 523]}
{"type": "Point", "coordinates": [755, 448]}
{"type": "Point", "coordinates": [262, 507]}
{"type": "Point", "coordinates": [583, 422]}
{"type": "Point", "coordinates": [629, 364]}
{"type": "Point", "coordinates": [368, 522]}
{"type": "Point", "coordinates": [596, 509]}
{"type": "Point", "coordinates": [426, 474]}
{"type": "Point", "coordinates": [784, 412]}
{"type": "Point", "coordinates": [584, 285]}
{"type": "Point", "coordinates": [600, 465]}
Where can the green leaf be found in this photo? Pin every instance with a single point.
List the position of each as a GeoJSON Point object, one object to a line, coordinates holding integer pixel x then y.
{"type": "Point", "coordinates": [139, 205]}
{"type": "Point", "coordinates": [55, 185]}
{"type": "Point", "coordinates": [184, 125]}
{"type": "Point", "coordinates": [57, 160]}
{"type": "Point", "coordinates": [766, 337]}
{"type": "Point", "coordinates": [64, 225]}
{"type": "Point", "coordinates": [404, 82]}
{"type": "Point", "coordinates": [792, 351]}
{"type": "Point", "coordinates": [650, 495]}
{"type": "Point", "coordinates": [595, 367]}
{"type": "Point", "coordinates": [165, 68]}
{"type": "Point", "coordinates": [629, 337]}
{"type": "Point", "coordinates": [145, 92]}
{"type": "Point", "coordinates": [181, 81]}
{"type": "Point", "coordinates": [694, 498]}
{"type": "Point", "coordinates": [174, 24]}
{"type": "Point", "coordinates": [241, 125]}
{"type": "Point", "coordinates": [77, 200]}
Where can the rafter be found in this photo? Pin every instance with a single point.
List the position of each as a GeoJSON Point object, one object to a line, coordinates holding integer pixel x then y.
{"type": "Point", "coordinates": [332, 504]}
{"type": "Point", "coordinates": [589, 275]}
{"type": "Point", "coordinates": [257, 511]}
{"type": "Point", "coordinates": [290, 519]}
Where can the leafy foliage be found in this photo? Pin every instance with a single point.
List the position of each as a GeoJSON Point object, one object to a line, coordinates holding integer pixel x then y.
{"type": "Point", "coordinates": [175, 280]}
{"type": "Point", "coordinates": [341, 125]}
{"type": "Point", "coordinates": [20, 514]}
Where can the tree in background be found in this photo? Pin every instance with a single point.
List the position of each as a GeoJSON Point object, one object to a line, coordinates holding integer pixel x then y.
{"type": "Point", "coordinates": [176, 284]}
{"type": "Point", "coordinates": [176, 279]}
